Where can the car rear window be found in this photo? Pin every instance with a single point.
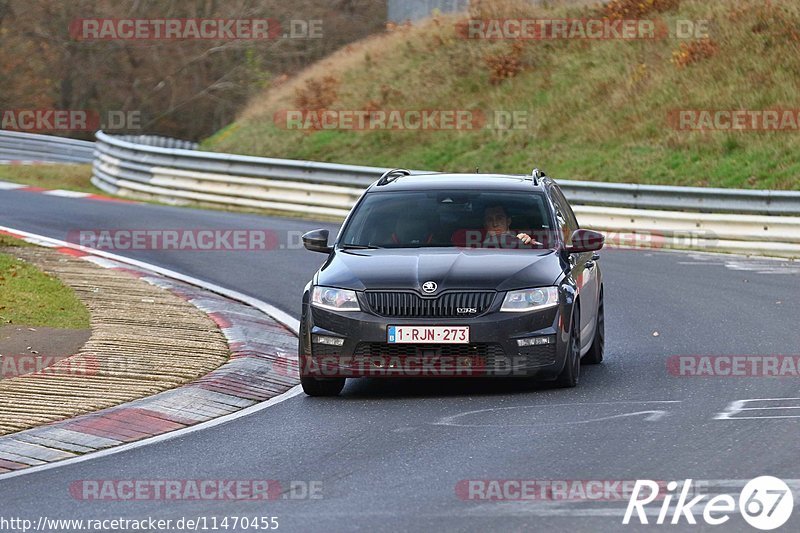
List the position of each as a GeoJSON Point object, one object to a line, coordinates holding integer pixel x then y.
{"type": "Point", "coordinates": [438, 218]}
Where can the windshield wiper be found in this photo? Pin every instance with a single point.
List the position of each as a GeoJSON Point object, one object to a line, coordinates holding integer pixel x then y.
{"type": "Point", "coordinates": [359, 247]}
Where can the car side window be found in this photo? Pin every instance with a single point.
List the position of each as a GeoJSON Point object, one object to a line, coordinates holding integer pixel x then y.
{"type": "Point", "coordinates": [572, 221]}
{"type": "Point", "coordinates": [561, 217]}
{"type": "Point", "coordinates": [564, 217]}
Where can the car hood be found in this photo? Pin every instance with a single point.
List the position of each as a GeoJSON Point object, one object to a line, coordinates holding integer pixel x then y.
{"type": "Point", "coordinates": [500, 270]}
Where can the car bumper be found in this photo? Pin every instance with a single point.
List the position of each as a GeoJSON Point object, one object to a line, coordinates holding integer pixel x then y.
{"type": "Point", "coordinates": [493, 350]}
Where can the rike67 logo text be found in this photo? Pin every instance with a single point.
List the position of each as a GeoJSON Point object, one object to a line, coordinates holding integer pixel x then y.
{"type": "Point", "coordinates": [765, 503]}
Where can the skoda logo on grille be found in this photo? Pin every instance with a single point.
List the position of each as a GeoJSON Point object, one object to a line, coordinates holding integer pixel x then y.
{"type": "Point", "coordinates": [429, 287]}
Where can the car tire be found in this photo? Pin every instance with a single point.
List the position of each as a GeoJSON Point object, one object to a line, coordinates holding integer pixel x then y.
{"type": "Point", "coordinates": [596, 352]}
{"type": "Point", "coordinates": [571, 372]}
{"type": "Point", "coordinates": [322, 387]}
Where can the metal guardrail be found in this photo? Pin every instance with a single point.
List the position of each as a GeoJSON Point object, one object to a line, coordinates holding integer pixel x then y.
{"type": "Point", "coordinates": [743, 221]}
{"type": "Point", "coordinates": [132, 156]}
{"type": "Point", "coordinates": [698, 199]}
{"type": "Point", "coordinates": [174, 171]}
{"type": "Point", "coordinates": [21, 146]}
{"type": "Point", "coordinates": [159, 141]}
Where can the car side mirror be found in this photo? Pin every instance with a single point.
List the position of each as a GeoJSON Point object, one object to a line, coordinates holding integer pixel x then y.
{"type": "Point", "coordinates": [586, 240]}
{"type": "Point", "coordinates": [317, 241]}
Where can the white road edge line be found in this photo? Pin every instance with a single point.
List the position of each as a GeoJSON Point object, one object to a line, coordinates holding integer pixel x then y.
{"type": "Point", "coordinates": [67, 194]}
{"type": "Point", "coordinates": [10, 186]}
{"type": "Point", "coordinates": [284, 318]}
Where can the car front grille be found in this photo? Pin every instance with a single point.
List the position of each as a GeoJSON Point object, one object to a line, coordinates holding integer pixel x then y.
{"type": "Point", "coordinates": [482, 358]}
{"type": "Point", "coordinates": [446, 305]}
{"type": "Point", "coordinates": [484, 355]}
{"type": "Point", "coordinates": [380, 349]}
{"type": "Point", "coordinates": [431, 359]}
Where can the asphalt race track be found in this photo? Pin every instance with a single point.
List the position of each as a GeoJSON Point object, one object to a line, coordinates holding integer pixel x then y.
{"type": "Point", "coordinates": [389, 455]}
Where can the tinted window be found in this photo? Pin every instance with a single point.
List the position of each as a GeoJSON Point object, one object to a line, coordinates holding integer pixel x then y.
{"type": "Point", "coordinates": [475, 219]}
{"type": "Point", "coordinates": [572, 221]}
{"type": "Point", "coordinates": [565, 218]}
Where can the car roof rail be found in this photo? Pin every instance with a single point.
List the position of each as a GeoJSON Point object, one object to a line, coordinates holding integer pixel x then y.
{"type": "Point", "coordinates": [537, 174]}
{"type": "Point", "coordinates": [391, 175]}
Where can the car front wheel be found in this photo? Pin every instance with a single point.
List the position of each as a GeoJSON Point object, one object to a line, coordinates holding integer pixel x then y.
{"type": "Point", "coordinates": [595, 354]}
{"type": "Point", "coordinates": [569, 376]}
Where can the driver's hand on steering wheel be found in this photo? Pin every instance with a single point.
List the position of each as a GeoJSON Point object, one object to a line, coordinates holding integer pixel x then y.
{"type": "Point", "coordinates": [527, 239]}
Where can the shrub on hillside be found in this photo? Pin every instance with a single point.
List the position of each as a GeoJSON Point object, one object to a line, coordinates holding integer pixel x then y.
{"type": "Point", "coordinates": [694, 51]}
{"type": "Point", "coordinates": [629, 9]}
{"type": "Point", "coordinates": [317, 93]}
{"type": "Point", "coordinates": [776, 21]}
{"type": "Point", "coordinates": [491, 9]}
{"type": "Point", "coordinates": [505, 65]}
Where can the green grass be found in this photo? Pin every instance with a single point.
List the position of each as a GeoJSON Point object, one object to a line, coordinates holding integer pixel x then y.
{"type": "Point", "coordinates": [68, 177]}
{"type": "Point", "coordinates": [33, 298]}
{"type": "Point", "coordinates": [597, 109]}
{"type": "Point", "coordinates": [7, 240]}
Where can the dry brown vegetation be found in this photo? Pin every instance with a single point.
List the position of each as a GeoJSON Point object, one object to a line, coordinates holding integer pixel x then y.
{"type": "Point", "coordinates": [185, 89]}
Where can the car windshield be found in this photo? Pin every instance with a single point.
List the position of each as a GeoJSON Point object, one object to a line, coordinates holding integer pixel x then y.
{"type": "Point", "coordinates": [436, 218]}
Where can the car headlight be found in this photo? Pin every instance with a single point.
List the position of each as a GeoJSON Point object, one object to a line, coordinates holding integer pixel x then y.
{"type": "Point", "coordinates": [530, 299]}
{"type": "Point", "coordinates": [334, 299]}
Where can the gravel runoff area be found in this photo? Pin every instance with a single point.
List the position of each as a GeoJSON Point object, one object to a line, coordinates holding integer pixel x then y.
{"type": "Point", "coordinates": [144, 340]}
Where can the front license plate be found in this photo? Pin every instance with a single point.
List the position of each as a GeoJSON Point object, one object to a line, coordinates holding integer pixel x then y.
{"type": "Point", "coordinates": [428, 334]}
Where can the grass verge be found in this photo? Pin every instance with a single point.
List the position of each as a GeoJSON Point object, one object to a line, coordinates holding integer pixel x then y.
{"type": "Point", "coordinates": [34, 298]}
{"type": "Point", "coordinates": [68, 177]}
{"type": "Point", "coordinates": [9, 241]}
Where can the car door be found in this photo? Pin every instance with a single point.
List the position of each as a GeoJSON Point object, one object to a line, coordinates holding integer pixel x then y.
{"type": "Point", "coordinates": [584, 269]}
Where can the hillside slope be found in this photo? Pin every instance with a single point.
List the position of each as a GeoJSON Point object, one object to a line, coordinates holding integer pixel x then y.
{"type": "Point", "coordinates": [595, 109]}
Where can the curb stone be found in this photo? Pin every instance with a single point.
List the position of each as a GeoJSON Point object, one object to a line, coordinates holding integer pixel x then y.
{"type": "Point", "coordinates": [262, 365]}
